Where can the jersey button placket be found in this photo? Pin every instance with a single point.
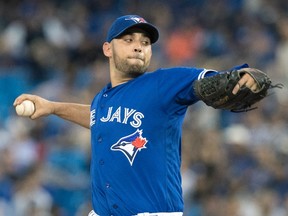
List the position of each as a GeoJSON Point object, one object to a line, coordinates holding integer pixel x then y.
{"type": "Point", "coordinates": [105, 95]}
{"type": "Point", "coordinates": [113, 205]}
{"type": "Point", "coordinates": [101, 162]}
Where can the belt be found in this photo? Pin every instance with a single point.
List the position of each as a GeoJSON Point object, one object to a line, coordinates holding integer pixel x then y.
{"type": "Point", "coordinates": [92, 213]}
{"type": "Point", "coordinates": [160, 214]}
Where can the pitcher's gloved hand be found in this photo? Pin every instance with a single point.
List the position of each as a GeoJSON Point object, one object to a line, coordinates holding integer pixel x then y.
{"type": "Point", "coordinates": [217, 91]}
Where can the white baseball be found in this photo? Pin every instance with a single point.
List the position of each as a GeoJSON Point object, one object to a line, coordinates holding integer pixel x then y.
{"type": "Point", "coordinates": [26, 108]}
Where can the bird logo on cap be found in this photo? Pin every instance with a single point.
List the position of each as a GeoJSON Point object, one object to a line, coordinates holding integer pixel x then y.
{"type": "Point", "coordinates": [137, 19]}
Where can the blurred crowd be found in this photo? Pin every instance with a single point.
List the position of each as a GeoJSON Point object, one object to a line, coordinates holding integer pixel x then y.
{"type": "Point", "coordinates": [234, 164]}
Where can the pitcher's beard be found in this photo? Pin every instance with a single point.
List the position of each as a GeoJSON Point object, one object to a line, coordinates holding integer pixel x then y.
{"type": "Point", "coordinates": [130, 70]}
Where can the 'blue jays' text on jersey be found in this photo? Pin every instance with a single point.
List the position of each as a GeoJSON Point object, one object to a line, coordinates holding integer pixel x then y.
{"type": "Point", "coordinates": [136, 136]}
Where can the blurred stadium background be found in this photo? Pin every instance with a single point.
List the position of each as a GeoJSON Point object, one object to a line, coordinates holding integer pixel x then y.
{"type": "Point", "coordinates": [54, 49]}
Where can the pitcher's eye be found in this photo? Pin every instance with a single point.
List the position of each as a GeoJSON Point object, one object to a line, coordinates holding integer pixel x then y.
{"type": "Point", "coordinates": [146, 42]}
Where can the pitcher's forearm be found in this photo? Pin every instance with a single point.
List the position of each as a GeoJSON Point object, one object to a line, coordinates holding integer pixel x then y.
{"type": "Point", "coordinates": [76, 113]}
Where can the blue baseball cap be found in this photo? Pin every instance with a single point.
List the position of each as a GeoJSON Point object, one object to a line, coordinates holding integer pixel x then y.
{"type": "Point", "coordinates": [121, 24]}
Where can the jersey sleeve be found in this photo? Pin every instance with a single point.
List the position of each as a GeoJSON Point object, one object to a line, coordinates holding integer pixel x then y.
{"type": "Point", "coordinates": [175, 85]}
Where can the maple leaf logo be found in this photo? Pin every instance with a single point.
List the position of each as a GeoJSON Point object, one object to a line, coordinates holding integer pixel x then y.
{"type": "Point", "coordinates": [139, 142]}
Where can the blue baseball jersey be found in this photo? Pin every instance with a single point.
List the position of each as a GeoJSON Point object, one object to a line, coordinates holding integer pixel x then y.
{"type": "Point", "coordinates": [136, 142]}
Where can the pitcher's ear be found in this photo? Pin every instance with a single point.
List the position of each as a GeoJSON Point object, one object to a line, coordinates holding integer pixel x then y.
{"type": "Point", "coordinates": [107, 49]}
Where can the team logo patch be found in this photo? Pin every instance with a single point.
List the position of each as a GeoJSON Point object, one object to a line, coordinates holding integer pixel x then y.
{"type": "Point", "coordinates": [137, 19]}
{"type": "Point", "coordinates": [130, 145]}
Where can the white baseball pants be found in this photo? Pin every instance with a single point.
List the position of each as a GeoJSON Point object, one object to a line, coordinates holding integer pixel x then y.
{"type": "Point", "coordinates": [92, 213]}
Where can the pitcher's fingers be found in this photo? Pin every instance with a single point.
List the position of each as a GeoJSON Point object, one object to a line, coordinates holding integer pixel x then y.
{"type": "Point", "coordinates": [236, 88]}
{"type": "Point", "coordinates": [252, 84]}
{"type": "Point", "coordinates": [23, 97]}
{"type": "Point", "coordinates": [254, 87]}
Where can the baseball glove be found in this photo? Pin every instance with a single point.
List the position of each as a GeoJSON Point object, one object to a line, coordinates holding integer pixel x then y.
{"type": "Point", "coordinates": [216, 91]}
